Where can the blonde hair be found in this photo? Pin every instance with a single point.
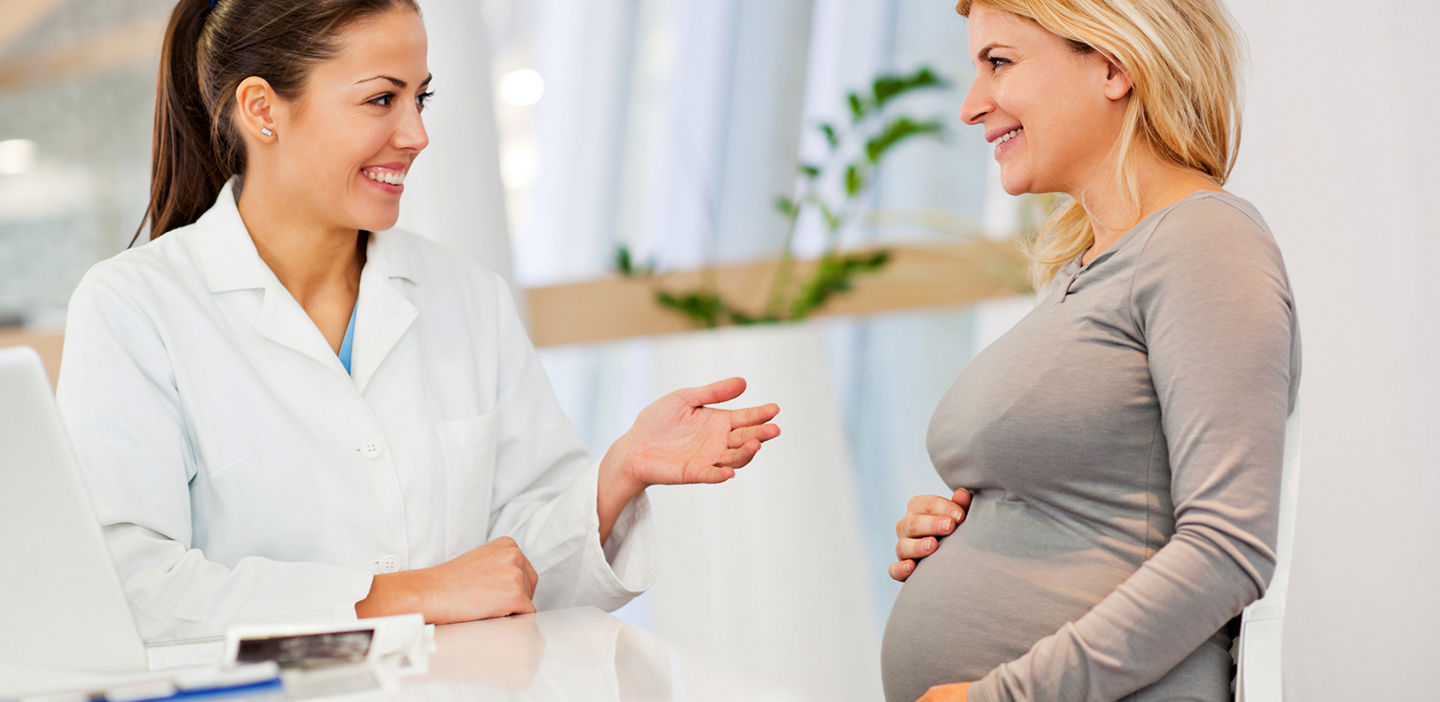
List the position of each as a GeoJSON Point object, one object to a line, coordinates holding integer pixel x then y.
{"type": "Point", "coordinates": [1183, 58]}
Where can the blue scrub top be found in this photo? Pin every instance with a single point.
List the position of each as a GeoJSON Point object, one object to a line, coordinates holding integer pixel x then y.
{"type": "Point", "coordinates": [349, 339]}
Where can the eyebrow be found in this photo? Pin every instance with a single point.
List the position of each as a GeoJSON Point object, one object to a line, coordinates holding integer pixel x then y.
{"type": "Point", "coordinates": [398, 83]}
{"type": "Point", "coordinates": [984, 54]}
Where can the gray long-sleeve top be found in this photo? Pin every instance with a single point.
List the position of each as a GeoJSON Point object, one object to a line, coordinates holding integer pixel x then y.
{"type": "Point", "coordinates": [1124, 445]}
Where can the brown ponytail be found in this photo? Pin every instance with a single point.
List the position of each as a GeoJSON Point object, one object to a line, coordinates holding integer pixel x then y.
{"type": "Point", "coordinates": [208, 51]}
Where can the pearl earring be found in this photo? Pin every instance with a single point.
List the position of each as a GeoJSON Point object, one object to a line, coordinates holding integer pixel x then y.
{"type": "Point", "coordinates": [266, 131]}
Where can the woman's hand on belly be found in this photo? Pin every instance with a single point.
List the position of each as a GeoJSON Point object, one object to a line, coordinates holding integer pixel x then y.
{"type": "Point", "coordinates": [494, 580]}
{"type": "Point", "coordinates": [927, 518]}
{"type": "Point", "coordinates": [954, 692]}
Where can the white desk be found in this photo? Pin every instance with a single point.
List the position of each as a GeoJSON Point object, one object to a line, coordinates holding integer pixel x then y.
{"type": "Point", "coordinates": [572, 654]}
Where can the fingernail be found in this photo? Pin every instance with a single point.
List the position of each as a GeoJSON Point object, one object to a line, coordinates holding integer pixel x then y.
{"type": "Point", "coordinates": [945, 527]}
{"type": "Point", "coordinates": [908, 567]}
{"type": "Point", "coordinates": [957, 515]}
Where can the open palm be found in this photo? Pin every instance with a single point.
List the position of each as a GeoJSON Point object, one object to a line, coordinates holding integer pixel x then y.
{"type": "Point", "coordinates": [679, 440]}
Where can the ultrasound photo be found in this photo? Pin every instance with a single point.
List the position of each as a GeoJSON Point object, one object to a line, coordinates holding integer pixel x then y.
{"type": "Point", "coordinates": [308, 650]}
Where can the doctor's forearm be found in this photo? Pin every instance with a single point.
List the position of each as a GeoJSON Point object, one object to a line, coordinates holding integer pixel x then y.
{"type": "Point", "coordinates": [616, 487]}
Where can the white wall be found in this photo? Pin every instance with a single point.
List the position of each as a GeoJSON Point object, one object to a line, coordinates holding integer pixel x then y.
{"type": "Point", "coordinates": [1341, 156]}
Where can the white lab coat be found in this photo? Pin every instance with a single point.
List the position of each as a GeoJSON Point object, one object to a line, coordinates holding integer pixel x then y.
{"type": "Point", "coordinates": [241, 475]}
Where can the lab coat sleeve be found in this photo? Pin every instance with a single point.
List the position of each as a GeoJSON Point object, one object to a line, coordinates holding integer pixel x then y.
{"type": "Point", "coordinates": [122, 409]}
{"type": "Point", "coordinates": [545, 488]}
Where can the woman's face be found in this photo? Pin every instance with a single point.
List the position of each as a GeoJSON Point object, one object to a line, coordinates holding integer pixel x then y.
{"type": "Point", "coordinates": [1047, 108]}
{"type": "Point", "coordinates": [346, 143]}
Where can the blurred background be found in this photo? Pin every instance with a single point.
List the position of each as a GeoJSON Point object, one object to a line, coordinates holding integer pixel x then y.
{"type": "Point", "coordinates": [599, 154]}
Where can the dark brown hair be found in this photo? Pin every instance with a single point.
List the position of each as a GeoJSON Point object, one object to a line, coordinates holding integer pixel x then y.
{"type": "Point", "coordinates": [209, 50]}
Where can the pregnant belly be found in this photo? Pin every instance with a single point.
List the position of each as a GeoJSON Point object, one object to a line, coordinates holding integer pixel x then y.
{"type": "Point", "coordinates": [1009, 576]}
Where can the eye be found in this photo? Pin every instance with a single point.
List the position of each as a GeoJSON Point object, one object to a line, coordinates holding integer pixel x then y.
{"type": "Point", "coordinates": [423, 98]}
{"type": "Point", "coordinates": [996, 62]}
{"type": "Point", "coordinates": [382, 100]}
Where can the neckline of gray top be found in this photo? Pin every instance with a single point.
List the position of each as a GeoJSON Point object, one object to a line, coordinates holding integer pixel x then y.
{"type": "Point", "coordinates": [1073, 268]}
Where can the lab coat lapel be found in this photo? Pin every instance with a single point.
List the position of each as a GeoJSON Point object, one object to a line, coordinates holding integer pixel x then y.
{"type": "Point", "coordinates": [284, 321]}
{"type": "Point", "coordinates": [230, 262]}
{"type": "Point", "coordinates": [384, 313]}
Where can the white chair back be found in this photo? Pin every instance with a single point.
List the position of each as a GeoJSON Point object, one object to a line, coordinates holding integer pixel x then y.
{"type": "Point", "coordinates": [1261, 625]}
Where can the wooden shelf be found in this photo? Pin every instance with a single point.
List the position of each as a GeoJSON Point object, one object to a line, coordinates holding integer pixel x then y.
{"type": "Point", "coordinates": [917, 276]}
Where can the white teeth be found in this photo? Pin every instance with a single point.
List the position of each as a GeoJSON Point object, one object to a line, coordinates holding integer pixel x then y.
{"type": "Point", "coordinates": [382, 176]}
{"type": "Point", "coordinates": [1007, 136]}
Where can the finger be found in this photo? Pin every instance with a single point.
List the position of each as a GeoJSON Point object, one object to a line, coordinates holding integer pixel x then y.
{"type": "Point", "coordinates": [714, 474]}
{"type": "Point", "coordinates": [915, 548]}
{"type": "Point", "coordinates": [739, 457]}
{"type": "Point", "coordinates": [745, 435]}
{"type": "Point", "coordinates": [719, 391]}
{"type": "Point", "coordinates": [934, 505]}
{"type": "Point", "coordinates": [963, 498]}
{"type": "Point", "coordinates": [902, 570]}
{"type": "Point", "coordinates": [750, 416]}
{"type": "Point", "coordinates": [917, 526]}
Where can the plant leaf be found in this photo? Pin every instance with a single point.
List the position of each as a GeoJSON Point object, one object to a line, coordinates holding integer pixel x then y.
{"type": "Point", "coordinates": [701, 307]}
{"type": "Point", "coordinates": [831, 221]}
{"type": "Point", "coordinates": [834, 274]}
{"type": "Point", "coordinates": [854, 180]}
{"type": "Point", "coordinates": [887, 87]}
{"type": "Point", "coordinates": [623, 263]}
{"type": "Point", "coordinates": [896, 131]}
{"type": "Point", "coordinates": [830, 137]}
{"type": "Point", "coordinates": [810, 170]}
{"type": "Point", "coordinates": [785, 205]}
{"type": "Point", "coordinates": [857, 108]}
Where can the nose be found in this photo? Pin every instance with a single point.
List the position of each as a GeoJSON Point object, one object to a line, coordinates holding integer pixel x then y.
{"type": "Point", "coordinates": [977, 102]}
{"type": "Point", "coordinates": [411, 134]}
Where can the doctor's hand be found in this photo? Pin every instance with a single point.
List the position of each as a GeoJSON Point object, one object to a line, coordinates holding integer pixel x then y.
{"type": "Point", "coordinates": [494, 580]}
{"type": "Point", "coordinates": [927, 518]}
{"type": "Point", "coordinates": [680, 440]}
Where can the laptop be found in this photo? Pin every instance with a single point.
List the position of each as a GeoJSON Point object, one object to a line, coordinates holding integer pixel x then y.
{"type": "Point", "coordinates": [61, 604]}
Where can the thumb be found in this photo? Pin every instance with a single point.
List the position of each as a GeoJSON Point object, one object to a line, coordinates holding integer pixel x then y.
{"type": "Point", "coordinates": [962, 497]}
{"type": "Point", "coordinates": [716, 392]}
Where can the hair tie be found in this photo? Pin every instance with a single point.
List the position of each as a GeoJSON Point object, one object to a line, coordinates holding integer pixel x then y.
{"type": "Point", "coordinates": [212, 4]}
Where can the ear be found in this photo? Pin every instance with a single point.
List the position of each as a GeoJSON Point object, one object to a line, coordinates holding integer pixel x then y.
{"type": "Point", "coordinates": [1117, 81]}
{"type": "Point", "coordinates": [256, 106]}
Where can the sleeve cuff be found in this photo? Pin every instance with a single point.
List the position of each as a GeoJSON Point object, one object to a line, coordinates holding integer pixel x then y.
{"type": "Point", "coordinates": [355, 586]}
{"type": "Point", "coordinates": [629, 553]}
{"type": "Point", "coordinates": [986, 689]}
{"type": "Point", "coordinates": [609, 576]}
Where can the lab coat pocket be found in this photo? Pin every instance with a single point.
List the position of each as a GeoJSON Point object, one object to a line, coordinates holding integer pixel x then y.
{"type": "Point", "coordinates": [469, 448]}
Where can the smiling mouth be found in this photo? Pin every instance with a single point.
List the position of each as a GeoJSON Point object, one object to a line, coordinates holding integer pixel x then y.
{"type": "Point", "coordinates": [384, 175]}
{"type": "Point", "coordinates": [1007, 136]}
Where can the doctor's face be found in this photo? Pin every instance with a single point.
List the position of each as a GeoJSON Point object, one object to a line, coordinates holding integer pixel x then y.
{"type": "Point", "coordinates": [1047, 108]}
{"type": "Point", "coordinates": [349, 139]}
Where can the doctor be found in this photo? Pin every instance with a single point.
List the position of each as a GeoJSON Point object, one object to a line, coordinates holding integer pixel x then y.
{"type": "Point", "coordinates": [285, 411]}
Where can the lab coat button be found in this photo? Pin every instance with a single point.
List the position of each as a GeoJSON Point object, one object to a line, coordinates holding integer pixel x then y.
{"type": "Point", "coordinates": [371, 450]}
{"type": "Point", "coordinates": [389, 564]}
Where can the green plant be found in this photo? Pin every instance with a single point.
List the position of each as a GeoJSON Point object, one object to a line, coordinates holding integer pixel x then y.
{"type": "Point", "coordinates": [835, 188]}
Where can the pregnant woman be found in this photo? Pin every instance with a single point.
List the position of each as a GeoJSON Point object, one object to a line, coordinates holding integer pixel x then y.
{"type": "Point", "coordinates": [1116, 455]}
